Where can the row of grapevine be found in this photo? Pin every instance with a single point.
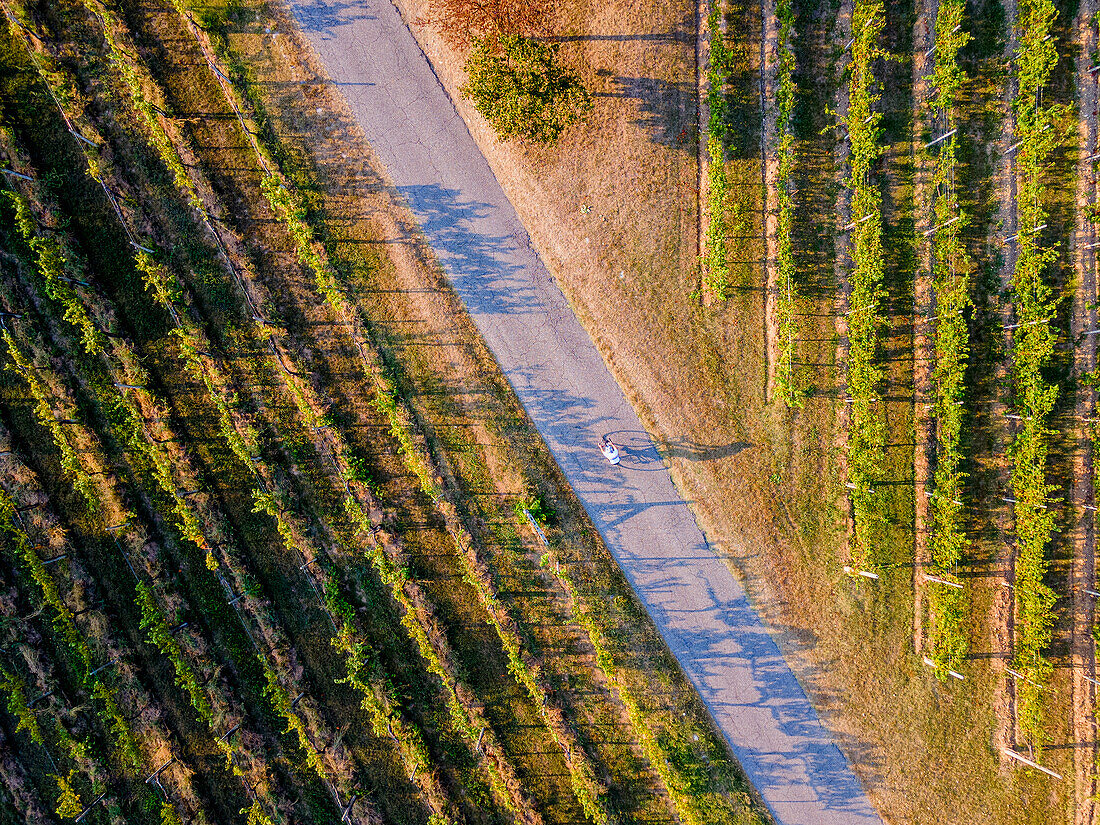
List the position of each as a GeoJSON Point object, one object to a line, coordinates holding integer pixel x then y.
{"type": "Point", "coordinates": [690, 808]}
{"type": "Point", "coordinates": [274, 494]}
{"type": "Point", "coordinates": [867, 424]}
{"type": "Point", "coordinates": [422, 463]}
{"type": "Point", "coordinates": [715, 263]}
{"type": "Point", "coordinates": [162, 469]}
{"type": "Point", "coordinates": [1037, 135]}
{"type": "Point", "coordinates": [785, 381]}
{"type": "Point", "coordinates": [54, 420]}
{"type": "Point", "coordinates": [116, 750]}
{"type": "Point", "coordinates": [416, 618]}
{"type": "Point", "coordinates": [1089, 375]}
{"type": "Point", "coordinates": [948, 601]}
{"type": "Point", "coordinates": [16, 791]}
{"type": "Point", "coordinates": [32, 353]}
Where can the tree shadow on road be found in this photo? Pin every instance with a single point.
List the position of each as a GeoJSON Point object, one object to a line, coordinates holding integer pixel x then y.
{"type": "Point", "coordinates": [744, 680]}
{"type": "Point", "coordinates": [325, 15]}
{"type": "Point", "coordinates": [493, 273]}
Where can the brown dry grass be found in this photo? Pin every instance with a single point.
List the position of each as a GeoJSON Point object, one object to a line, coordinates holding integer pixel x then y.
{"type": "Point", "coordinates": [461, 20]}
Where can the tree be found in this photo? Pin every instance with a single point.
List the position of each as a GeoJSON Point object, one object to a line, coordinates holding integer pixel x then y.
{"type": "Point", "coordinates": [517, 86]}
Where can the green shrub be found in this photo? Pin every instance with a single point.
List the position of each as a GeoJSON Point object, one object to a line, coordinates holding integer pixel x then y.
{"type": "Point", "coordinates": [540, 510]}
{"type": "Point", "coordinates": [68, 802]}
{"type": "Point", "coordinates": [516, 84]}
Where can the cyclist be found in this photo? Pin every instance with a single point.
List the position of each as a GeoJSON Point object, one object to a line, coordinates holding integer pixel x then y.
{"type": "Point", "coordinates": [610, 451]}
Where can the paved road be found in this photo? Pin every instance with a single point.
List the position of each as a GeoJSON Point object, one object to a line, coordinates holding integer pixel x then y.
{"type": "Point", "coordinates": [563, 382]}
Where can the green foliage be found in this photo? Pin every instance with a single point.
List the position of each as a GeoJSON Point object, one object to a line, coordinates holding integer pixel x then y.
{"type": "Point", "coordinates": [1033, 348]}
{"type": "Point", "coordinates": [359, 469]}
{"type": "Point", "coordinates": [948, 607]}
{"type": "Point", "coordinates": [168, 815]}
{"type": "Point", "coordinates": [380, 706]}
{"type": "Point", "coordinates": [270, 498]}
{"type": "Point", "coordinates": [69, 640]}
{"type": "Point", "coordinates": [291, 210]}
{"type": "Point", "coordinates": [684, 772]}
{"type": "Point", "coordinates": [385, 401]}
{"type": "Point", "coordinates": [785, 383]}
{"type": "Point", "coordinates": [134, 75]}
{"type": "Point", "coordinates": [158, 280]}
{"type": "Point", "coordinates": [283, 705]}
{"type": "Point", "coordinates": [467, 719]}
{"type": "Point", "coordinates": [52, 265]}
{"type": "Point", "coordinates": [867, 425]}
{"type": "Point", "coordinates": [718, 77]}
{"type": "Point", "coordinates": [68, 801]}
{"type": "Point", "coordinates": [716, 267]}
{"type": "Point", "coordinates": [516, 83]}
{"type": "Point", "coordinates": [130, 429]}
{"type": "Point", "coordinates": [586, 788]}
{"type": "Point", "coordinates": [254, 814]}
{"type": "Point", "coordinates": [126, 419]}
{"type": "Point", "coordinates": [158, 634]}
{"type": "Point", "coordinates": [44, 412]}
{"type": "Point", "coordinates": [537, 506]}
{"type": "Point", "coordinates": [18, 707]}
{"type": "Point", "coordinates": [122, 736]}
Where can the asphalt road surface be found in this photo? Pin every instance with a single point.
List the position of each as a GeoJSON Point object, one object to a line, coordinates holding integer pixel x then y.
{"type": "Point", "coordinates": [559, 376]}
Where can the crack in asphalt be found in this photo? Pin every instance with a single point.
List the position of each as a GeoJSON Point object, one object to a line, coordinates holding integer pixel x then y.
{"type": "Point", "coordinates": [697, 604]}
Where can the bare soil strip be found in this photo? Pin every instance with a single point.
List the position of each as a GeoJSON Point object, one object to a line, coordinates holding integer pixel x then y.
{"type": "Point", "coordinates": [923, 309]}
{"type": "Point", "coordinates": [842, 262]}
{"type": "Point", "coordinates": [1002, 606]}
{"type": "Point", "coordinates": [1082, 533]}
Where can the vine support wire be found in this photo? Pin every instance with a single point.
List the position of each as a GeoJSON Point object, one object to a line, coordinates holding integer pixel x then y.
{"type": "Point", "coordinates": [91, 805]}
{"type": "Point", "coordinates": [930, 578]}
{"type": "Point", "coordinates": [852, 571]}
{"type": "Point", "coordinates": [928, 232]}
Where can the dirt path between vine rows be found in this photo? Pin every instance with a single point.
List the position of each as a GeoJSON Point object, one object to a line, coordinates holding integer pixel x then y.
{"type": "Point", "coordinates": [562, 381]}
{"type": "Point", "coordinates": [1082, 529]}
